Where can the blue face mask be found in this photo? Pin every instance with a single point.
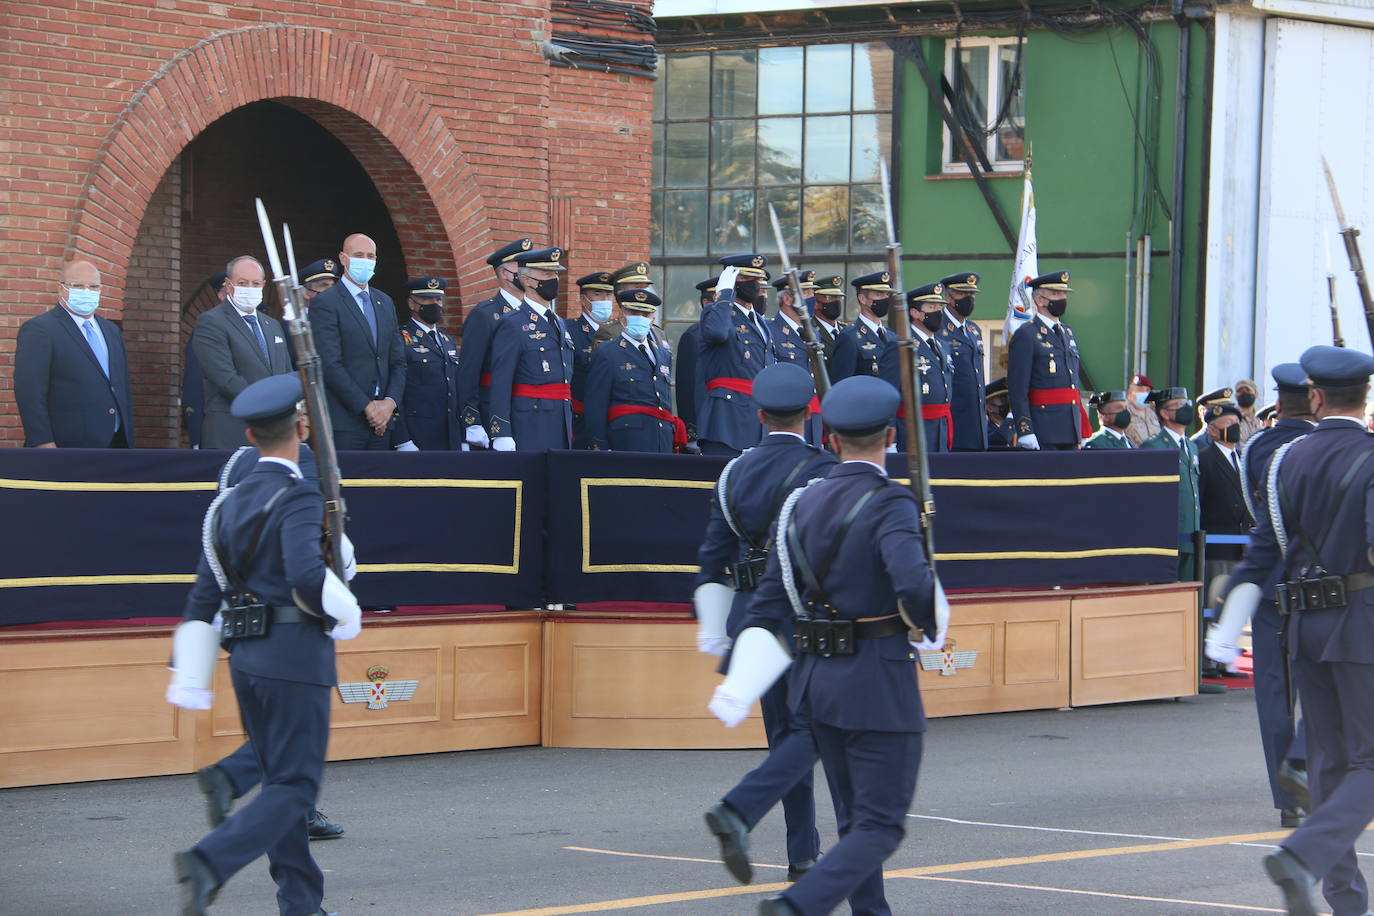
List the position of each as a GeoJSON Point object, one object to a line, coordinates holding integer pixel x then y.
{"type": "Point", "coordinates": [83, 301]}
{"type": "Point", "coordinates": [360, 270]}
{"type": "Point", "coordinates": [1139, 398]}
{"type": "Point", "coordinates": [637, 326]}
{"type": "Point", "coordinates": [601, 310]}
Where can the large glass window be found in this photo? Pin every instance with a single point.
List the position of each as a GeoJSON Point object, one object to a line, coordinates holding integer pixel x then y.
{"type": "Point", "coordinates": [989, 99]}
{"type": "Point", "coordinates": [801, 128]}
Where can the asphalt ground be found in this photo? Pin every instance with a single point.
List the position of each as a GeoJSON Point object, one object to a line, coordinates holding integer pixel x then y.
{"type": "Point", "coordinates": [1137, 809]}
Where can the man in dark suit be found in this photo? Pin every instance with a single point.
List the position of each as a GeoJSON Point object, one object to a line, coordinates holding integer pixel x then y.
{"type": "Point", "coordinates": [236, 345]}
{"type": "Point", "coordinates": [360, 351]}
{"type": "Point", "coordinates": [1221, 501]}
{"type": "Point", "coordinates": [192, 380]}
{"type": "Point", "coordinates": [71, 374]}
{"type": "Point", "coordinates": [428, 420]}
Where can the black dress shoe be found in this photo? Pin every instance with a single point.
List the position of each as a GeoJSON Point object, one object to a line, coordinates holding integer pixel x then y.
{"type": "Point", "coordinates": [796, 869]}
{"type": "Point", "coordinates": [319, 827]}
{"type": "Point", "coordinates": [1291, 817]}
{"type": "Point", "coordinates": [729, 828]}
{"type": "Point", "coordinates": [196, 882]}
{"type": "Point", "coordinates": [218, 791]}
{"type": "Point", "coordinates": [1294, 881]}
{"type": "Point", "coordinates": [777, 906]}
{"type": "Point", "coordinates": [1293, 779]}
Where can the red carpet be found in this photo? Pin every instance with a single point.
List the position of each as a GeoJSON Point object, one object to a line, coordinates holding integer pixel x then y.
{"type": "Point", "coordinates": [1246, 666]}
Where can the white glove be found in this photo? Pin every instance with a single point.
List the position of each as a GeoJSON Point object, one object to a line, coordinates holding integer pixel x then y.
{"type": "Point", "coordinates": [477, 436]}
{"type": "Point", "coordinates": [1219, 650]}
{"type": "Point", "coordinates": [188, 697]}
{"type": "Point", "coordinates": [728, 708]}
{"type": "Point", "coordinates": [892, 449]}
{"type": "Point", "coordinates": [1029, 442]}
{"type": "Point", "coordinates": [941, 623]}
{"type": "Point", "coordinates": [465, 447]}
{"type": "Point", "coordinates": [727, 279]}
{"type": "Point", "coordinates": [408, 446]}
{"type": "Point", "coordinates": [195, 647]}
{"type": "Point", "coordinates": [350, 562]}
{"type": "Point", "coordinates": [713, 645]}
{"type": "Point", "coordinates": [338, 602]}
{"type": "Point", "coordinates": [503, 444]}
{"type": "Point", "coordinates": [712, 602]}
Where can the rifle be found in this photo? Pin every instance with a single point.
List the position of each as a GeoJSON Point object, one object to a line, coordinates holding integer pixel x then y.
{"type": "Point", "coordinates": [806, 325]}
{"type": "Point", "coordinates": [1352, 251]}
{"type": "Point", "coordinates": [312, 381]}
{"type": "Point", "coordinates": [911, 392]}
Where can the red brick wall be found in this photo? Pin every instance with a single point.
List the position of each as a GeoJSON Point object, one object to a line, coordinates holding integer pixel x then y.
{"type": "Point", "coordinates": [466, 131]}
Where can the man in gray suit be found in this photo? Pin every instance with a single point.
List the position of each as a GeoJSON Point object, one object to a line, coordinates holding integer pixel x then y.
{"type": "Point", "coordinates": [236, 345]}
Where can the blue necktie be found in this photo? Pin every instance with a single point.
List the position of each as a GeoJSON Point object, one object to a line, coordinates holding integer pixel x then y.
{"type": "Point", "coordinates": [97, 342]}
{"type": "Point", "coordinates": [257, 332]}
{"type": "Point", "coordinates": [368, 313]}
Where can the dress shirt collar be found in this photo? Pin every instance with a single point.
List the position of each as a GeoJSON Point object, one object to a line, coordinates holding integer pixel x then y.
{"type": "Point", "coordinates": [1177, 437]}
{"type": "Point", "coordinates": [784, 432]}
{"type": "Point", "coordinates": [872, 325]}
{"type": "Point", "coordinates": [1356, 420]}
{"type": "Point", "coordinates": [877, 467]}
{"type": "Point", "coordinates": [587, 317]}
{"type": "Point", "coordinates": [954, 318]}
{"type": "Point", "coordinates": [287, 463]}
{"type": "Point", "coordinates": [424, 327]}
{"type": "Point", "coordinates": [80, 319]}
{"type": "Point", "coordinates": [790, 323]}
{"type": "Point", "coordinates": [541, 310]}
{"type": "Point", "coordinates": [353, 289]}
{"type": "Point", "coordinates": [512, 301]}
{"type": "Point", "coordinates": [1050, 321]}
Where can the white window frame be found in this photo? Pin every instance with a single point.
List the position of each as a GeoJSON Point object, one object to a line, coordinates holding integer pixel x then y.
{"type": "Point", "coordinates": [993, 45]}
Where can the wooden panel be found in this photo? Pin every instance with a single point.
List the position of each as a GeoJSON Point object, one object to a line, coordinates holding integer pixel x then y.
{"type": "Point", "coordinates": [633, 685]}
{"type": "Point", "coordinates": [492, 680]}
{"type": "Point", "coordinates": [1134, 647]}
{"type": "Point", "coordinates": [1032, 653]}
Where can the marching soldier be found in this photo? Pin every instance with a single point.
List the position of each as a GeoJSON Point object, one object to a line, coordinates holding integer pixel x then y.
{"type": "Point", "coordinates": [690, 388]}
{"type": "Point", "coordinates": [962, 339]}
{"type": "Point", "coordinates": [1001, 427]}
{"type": "Point", "coordinates": [738, 541]}
{"type": "Point", "coordinates": [1042, 372]}
{"type": "Point", "coordinates": [598, 304]}
{"type": "Point", "coordinates": [1113, 420]}
{"type": "Point", "coordinates": [829, 306]}
{"type": "Point", "coordinates": [474, 367]}
{"type": "Point", "coordinates": [859, 346]}
{"type": "Point", "coordinates": [1175, 412]}
{"type": "Point", "coordinates": [788, 344]}
{"type": "Point", "coordinates": [735, 346]}
{"type": "Point", "coordinates": [429, 419]}
{"type": "Point", "coordinates": [629, 386]}
{"type": "Point", "coordinates": [935, 370]}
{"type": "Point", "coordinates": [853, 670]}
{"type": "Point", "coordinates": [532, 363]}
{"type": "Point", "coordinates": [1320, 539]}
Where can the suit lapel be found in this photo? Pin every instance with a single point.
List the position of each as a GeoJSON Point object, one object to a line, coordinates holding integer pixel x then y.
{"type": "Point", "coordinates": [80, 339]}
{"type": "Point", "coordinates": [233, 316]}
{"type": "Point", "coordinates": [356, 311]}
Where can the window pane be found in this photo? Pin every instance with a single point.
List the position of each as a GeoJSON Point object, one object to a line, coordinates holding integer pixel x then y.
{"type": "Point", "coordinates": [686, 154]}
{"type": "Point", "coordinates": [780, 81]}
{"type": "Point", "coordinates": [657, 178]}
{"type": "Point", "coordinates": [780, 151]}
{"type": "Point", "coordinates": [734, 78]}
{"type": "Point", "coordinates": [679, 290]}
{"type": "Point", "coordinates": [826, 219]}
{"type": "Point", "coordinates": [656, 222]}
{"type": "Point", "coordinates": [827, 149]}
{"type": "Point", "coordinates": [868, 224]}
{"type": "Point", "coordinates": [872, 143]}
{"type": "Point", "coordinates": [732, 222]}
{"type": "Point", "coordinates": [970, 82]}
{"type": "Point", "coordinates": [872, 76]}
{"type": "Point", "coordinates": [732, 152]}
{"type": "Point", "coordinates": [660, 88]}
{"type": "Point", "coordinates": [1011, 133]}
{"type": "Point", "coordinates": [684, 222]}
{"type": "Point", "coordinates": [687, 80]}
{"type": "Point", "coordinates": [827, 77]}
{"type": "Point", "coordinates": [786, 202]}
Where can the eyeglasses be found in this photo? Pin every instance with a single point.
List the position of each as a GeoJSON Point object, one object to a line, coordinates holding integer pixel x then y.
{"type": "Point", "coordinates": [93, 287]}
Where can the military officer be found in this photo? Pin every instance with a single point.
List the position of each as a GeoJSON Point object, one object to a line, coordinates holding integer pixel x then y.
{"type": "Point", "coordinates": [935, 369]}
{"type": "Point", "coordinates": [738, 540]}
{"type": "Point", "coordinates": [532, 362]}
{"type": "Point", "coordinates": [859, 346]}
{"type": "Point", "coordinates": [319, 276]}
{"type": "Point", "coordinates": [1042, 372]}
{"type": "Point", "coordinates": [1001, 427]}
{"type": "Point", "coordinates": [598, 305]}
{"type": "Point", "coordinates": [1175, 412]}
{"type": "Point", "coordinates": [735, 346]}
{"type": "Point", "coordinates": [264, 537]}
{"type": "Point", "coordinates": [788, 344]}
{"type": "Point", "coordinates": [962, 339]}
{"type": "Point", "coordinates": [429, 419]}
{"type": "Point", "coordinates": [1113, 419]}
{"type": "Point", "coordinates": [629, 386]}
{"type": "Point", "coordinates": [853, 669]}
{"type": "Point", "coordinates": [636, 276]}
{"type": "Point", "coordinates": [474, 367]}
{"type": "Point", "coordinates": [830, 295]}
{"type": "Point", "coordinates": [690, 388]}
{"type": "Point", "coordinates": [1209, 407]}
{"type": "Point", "coordinates": [1320, 540]}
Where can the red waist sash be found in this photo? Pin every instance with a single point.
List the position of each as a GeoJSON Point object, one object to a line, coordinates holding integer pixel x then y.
{"type": "Point", "coordinates": [739, 385]}
{"type": "Point", "coordinates": [679, 428]}
{"type": "Point", "coordinates": [485, 380]}
{"type": "Point", "coordinates": [1049, 397]}
{"type": "Point", "coordinates": [935, 412]}
{"type": "Point", "coordinates": [578, 407]}
{"type": "Point", "coordinates": [556, 391]}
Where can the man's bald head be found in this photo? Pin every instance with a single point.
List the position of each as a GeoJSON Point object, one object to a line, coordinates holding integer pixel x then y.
{"type": "Point", "coordinates": [358, 245]}
{"type": "Point", "coordinates": [81, 272]}
{"type": "Point", "coordinates": [359, 258]}
{"type": "Point", "coordinates": [79, 275]}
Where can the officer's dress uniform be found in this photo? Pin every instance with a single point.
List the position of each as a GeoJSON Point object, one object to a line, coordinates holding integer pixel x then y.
{"type": "Point", "coordinates": [735, 347]}
{"type": "Point", "coordinates": [429, 416]}
{"type": "Point", "coordinates": [1043, 381]}
{"type": "Point", "coordinates": [1189, 507]}
{"type": "Point", "coordinates": [858, 349]}
{"type": "Point", "coordinates": [756, 484]}
{"type": "Point", "coordinates": [827, 331]}
{"type": "Point", "coordinates": [1108, 438]}
{"type": "Point", "coordinates": [686, 380]}
{"type": "Point", "coordinates": [474, 377]}
{"type": "Point", "coordinates": [935, 376]}
{"type": "Point", "coordinates": [865, 709]}
{"type": "Point", "coordinates": [789, 347]}
{"type": "Point", "coordinates": [962, 339]}
{"type": "Point", "coordinates": [630, 393]}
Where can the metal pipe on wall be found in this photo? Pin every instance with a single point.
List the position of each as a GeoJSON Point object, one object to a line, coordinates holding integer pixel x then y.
{"type": "Point", "coordinates": [1128, 329]}
{"type": "Point", "coordinates": [1142, 320]}
{"type": "Point", "coordinates": [1176, 220]}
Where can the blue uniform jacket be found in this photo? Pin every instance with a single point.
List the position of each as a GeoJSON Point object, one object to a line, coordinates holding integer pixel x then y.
{"type": "Point", "coordinates": [528, 349]}
{"type": "Point", "coordinates": [620, 374]}
{"type": "Point", "coordinates": [244, 461]}
{"type": "Point", "coordinates": [429, 414]}
{"type": "Point", "coordinates": [881, 561]}
{"type": "Point", "coordinates": [789, 347]}
{"type": "Point", "coordinates": [1255, 456]}
{"type": "Point", "coordinates": [1309, 475]}
{"type": "Point", "coordinates": [935, 375]}
{"type": "Point", "coordinates": [1001, 434]}
{"type": "Point", "coordinates": [731, 347]}
{"type": "Point", "coordinates": [475, 360]}
{"type": "Point", "coordinates": [686, 382]}
{"type": "Point", "coordinates": [63, 395]}
{"type": "Point", "coordinates": [967, 398]}
{"type": "Point", "coordinates": [858, 349]}
{"type": "Point", "coordinates": [356, 367]}
{"type": "Point", "coordinates": [755, 490]}
{"type": "Point", "coordinates": [1039, 359]}
{"type": "Point", "coordinates": [286, 566]}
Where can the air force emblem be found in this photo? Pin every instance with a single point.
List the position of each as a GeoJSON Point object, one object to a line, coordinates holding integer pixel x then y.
{"type": "Point", "coordinates": [947, 661]}
{"type": "Point", "coordinates": [377, 691]}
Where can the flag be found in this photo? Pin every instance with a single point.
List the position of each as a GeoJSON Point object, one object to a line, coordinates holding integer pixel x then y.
{"type": "Point", "coordinates": [1019, 309]}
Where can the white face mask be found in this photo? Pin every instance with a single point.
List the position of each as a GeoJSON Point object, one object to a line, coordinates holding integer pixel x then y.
{"type": "Point", "coordinates": [247, 298]}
